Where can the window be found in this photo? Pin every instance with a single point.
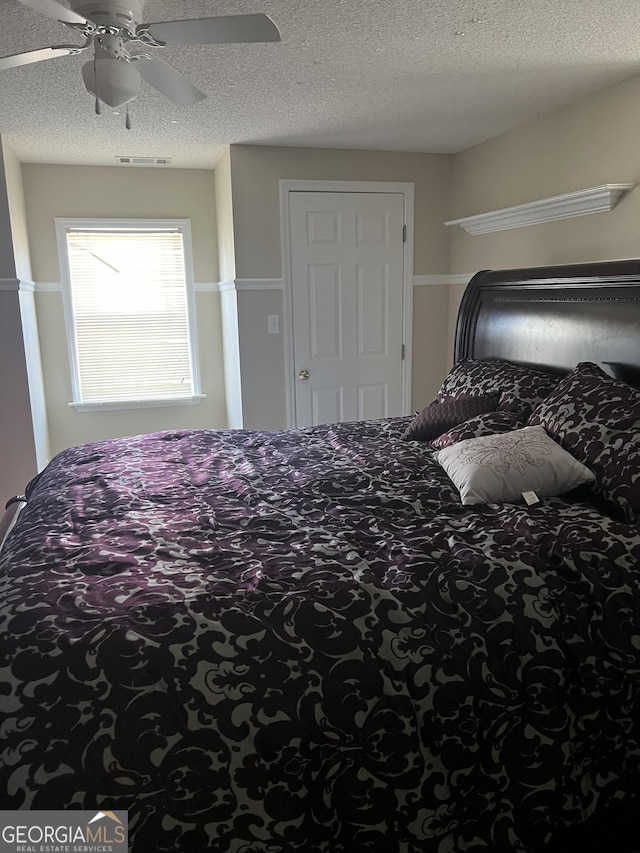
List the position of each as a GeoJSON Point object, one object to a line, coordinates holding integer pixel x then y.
{"type": "Point", "coordinates": [130, 314]}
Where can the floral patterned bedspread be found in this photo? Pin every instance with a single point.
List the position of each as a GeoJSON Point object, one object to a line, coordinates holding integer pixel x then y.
{"type": "Point", "coordinates": [263, 642]}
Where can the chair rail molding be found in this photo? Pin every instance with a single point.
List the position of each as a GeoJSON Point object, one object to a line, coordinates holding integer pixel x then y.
{"type": "Point", "coordinates": [277, 283]}
{"type": "Point", "coordinates": [600, 199]}
{"type": "Point", "coordinates": [434, 280]}
{"type": "Point", "coordinates": [251, 284]}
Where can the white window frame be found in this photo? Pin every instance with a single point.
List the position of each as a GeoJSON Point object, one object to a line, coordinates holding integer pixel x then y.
{"type": "Point", "coordinates": [63, 226]}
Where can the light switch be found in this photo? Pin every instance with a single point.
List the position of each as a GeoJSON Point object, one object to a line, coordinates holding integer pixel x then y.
{"type": "Point", "coordinates": [273, 321]}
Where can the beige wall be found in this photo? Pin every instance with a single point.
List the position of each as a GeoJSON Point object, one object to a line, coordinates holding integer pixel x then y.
{"type": "Point", "coordinates": [257, 170]}
{"type": "Point", "coordinates": [17, 213]}
{"type": "Point", "coordinates": [261, 361]}
{"type": "Point", "coordinates": [70, 191]}
{"type": "Point", "coordinates": [7, 256]}
{"type": "Point", "coordinates": [28, 317]}
{"type": "Point", "coordinates": [592, 142]}
{"type": "Point", "coordinates": [255, 175]}
{"type": "Point", "coordinates": [18, 462]}
{"type": "Point", "coordinates": [431, 356]}
{"type": "Point", "coordinates": [104, 191]}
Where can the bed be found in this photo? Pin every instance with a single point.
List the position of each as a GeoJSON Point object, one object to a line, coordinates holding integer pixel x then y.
{"type": "Point", "coordinates": [319, 639]}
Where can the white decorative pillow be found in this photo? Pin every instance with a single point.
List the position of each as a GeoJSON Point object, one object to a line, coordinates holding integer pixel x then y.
{"type": "Point", "coordinates": [496, 468]}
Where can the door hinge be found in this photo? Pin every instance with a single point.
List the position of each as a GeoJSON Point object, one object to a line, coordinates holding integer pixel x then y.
{"type": "Point", "coordinates": [402, 353]}
{"type": "Point", "coordinates": [404, 233]}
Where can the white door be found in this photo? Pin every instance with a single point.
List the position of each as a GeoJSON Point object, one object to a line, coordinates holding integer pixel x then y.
{"type": "Point", "coordinates": [347, 271]}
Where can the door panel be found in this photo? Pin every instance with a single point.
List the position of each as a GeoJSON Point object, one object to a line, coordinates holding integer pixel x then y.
{"type": "Point", "coordinates": [372, 310]}
{"type": "Point", "coordinates": [347, 263]}
{"type": "Point", "coordinates": [372, 399]}
{"type": "Point", "coordinates": [327, 405]}
{"type": "Point", "coordinates": [323, 227]}
{"type": "Point", "coordinates": [325, 314]}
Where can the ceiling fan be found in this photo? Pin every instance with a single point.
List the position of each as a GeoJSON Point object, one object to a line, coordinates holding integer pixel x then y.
{"type": "Point", "coordinates": [113, 28]}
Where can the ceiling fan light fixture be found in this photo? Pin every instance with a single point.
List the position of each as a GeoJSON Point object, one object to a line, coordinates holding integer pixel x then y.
{"type": "Point", "coordinates": [116, 30]}
{"type": "Point", "coordinates": [113, 81]}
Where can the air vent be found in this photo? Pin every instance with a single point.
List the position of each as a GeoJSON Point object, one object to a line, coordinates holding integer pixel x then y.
{"type": "Point", "coordinates": [143, 161]}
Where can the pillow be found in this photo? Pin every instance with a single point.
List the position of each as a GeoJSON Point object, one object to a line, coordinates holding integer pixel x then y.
{"type": "Point", "coordinates": [496, 468]}
{"type": "Point", "coordinates": [440, 416]}
{"type": "Point", "coordinates": [597, 419]}
{"type": "Point", "coordinates": [520, 388]}
{"type": "Point", "coordinates": [487, 424]}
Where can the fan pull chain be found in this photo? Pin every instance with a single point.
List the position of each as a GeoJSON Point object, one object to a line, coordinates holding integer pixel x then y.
{"type": "Point", "coordinates": [127, 121]}
{"type": "Point", "coordinates": [98, 106]}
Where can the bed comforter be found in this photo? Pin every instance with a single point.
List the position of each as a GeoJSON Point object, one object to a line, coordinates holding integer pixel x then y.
{"type": "Point", "coordinates": [262, 642]}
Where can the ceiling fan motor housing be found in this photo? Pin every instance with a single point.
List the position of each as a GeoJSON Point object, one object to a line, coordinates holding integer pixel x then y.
{"type": "Point", "coordinates": [119, 14]}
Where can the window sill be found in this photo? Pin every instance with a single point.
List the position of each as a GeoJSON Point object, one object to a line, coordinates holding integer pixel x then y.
{"type": "Point", "coordinates": [138, 404]}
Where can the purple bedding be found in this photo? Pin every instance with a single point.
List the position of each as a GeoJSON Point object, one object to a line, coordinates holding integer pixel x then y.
{"type": "Point", "coordinates": [301, 641]}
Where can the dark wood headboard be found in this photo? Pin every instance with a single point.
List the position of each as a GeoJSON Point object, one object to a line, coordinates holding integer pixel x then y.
{"type": "Point", "coordinates": [553, 317]}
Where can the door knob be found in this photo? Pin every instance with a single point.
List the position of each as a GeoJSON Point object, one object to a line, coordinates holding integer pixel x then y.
{"type": "Point", "coordinates": [304, 374]}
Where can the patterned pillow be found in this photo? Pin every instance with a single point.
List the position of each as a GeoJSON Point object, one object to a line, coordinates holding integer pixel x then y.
{"type": "Point", "coordinates": [520, 388]}
{"type": "Point", "coordinates": [438, 417]}
{"type": "Point", "coordinates": [501, 467]}
{"type": "Point", "coordinates": [597, 419]}
{"type": "Point", "coordinates": [488, 424]}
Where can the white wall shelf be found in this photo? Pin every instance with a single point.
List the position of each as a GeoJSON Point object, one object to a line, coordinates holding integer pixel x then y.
{"type": "Point", "coordinates": [580, 203]}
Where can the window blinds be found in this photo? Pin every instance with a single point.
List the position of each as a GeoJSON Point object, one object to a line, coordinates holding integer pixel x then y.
{"type": "Point", "coordinates": [130, 314]}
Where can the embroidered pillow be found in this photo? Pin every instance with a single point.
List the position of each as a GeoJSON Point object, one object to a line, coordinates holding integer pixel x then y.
{"type": "Point", "coordinates": [597, 419]}
{"type": "Point", "coordinates": [520, 388]}
{"type": "Point", "coordinates": [487, 424]}
{"type": "Point", "coordinates": [496, 468]}
{"type": "Point", "coordinates": [440, 416]}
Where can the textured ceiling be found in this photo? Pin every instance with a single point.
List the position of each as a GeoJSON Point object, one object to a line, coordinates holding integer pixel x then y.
{"type": "Point", "coordinates": [407, 75]}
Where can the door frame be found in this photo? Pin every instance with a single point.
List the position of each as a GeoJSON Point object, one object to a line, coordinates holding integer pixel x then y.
{"type": "Point", "coordinates": [406, 189]}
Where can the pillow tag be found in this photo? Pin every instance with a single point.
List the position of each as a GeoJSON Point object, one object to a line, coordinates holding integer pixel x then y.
{"type": "Point", "coordinates": [531, 498]}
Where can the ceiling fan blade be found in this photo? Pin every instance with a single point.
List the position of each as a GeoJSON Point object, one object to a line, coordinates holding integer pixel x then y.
{"type": "Point", "coordinates": [55, 10]}
{"type": "Point", "coordinates": [169, 82]}
{"type": "Point", "coordinates": [30, 56]}
{"type": "Point", "coordinates": [226, 29]}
